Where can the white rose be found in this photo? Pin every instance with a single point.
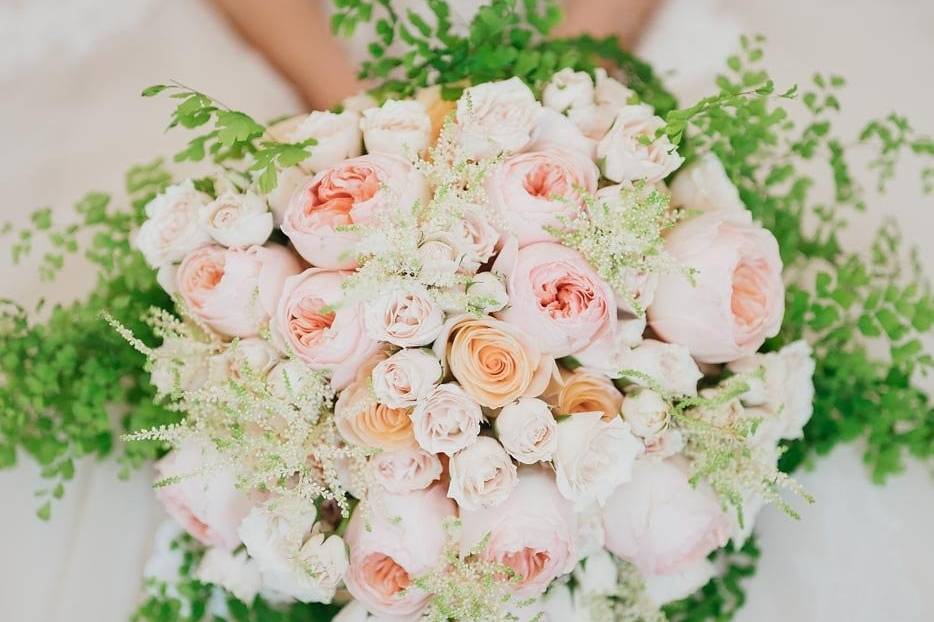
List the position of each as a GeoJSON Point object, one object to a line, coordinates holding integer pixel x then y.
{"type": "Point", "coordinates": [553, 130]}
{"type": "Point", "coordinates": [528, 430]}
{"type": "Point", "coordinates": [405, 377]}
{"type": "Point", "coordinates": [474, 238]}
{"type": "Point", "coordinates": [404, 316]}
{"type": "Point", "coordinates": [399, 127]}
{"type": "Point", "coordinates": [337, 135]}
{"type": "Point", "coordinates": [646, 412]}
{"type": "Point", "coordinates": [495, 117]}
{"type": "Point", "coordinates": [236, 220]}
{"type": "Point", "coordinates": [167, 278]}
{"type": "Point", "coordinates": [609, 96]}
{"type": "Point", "coordinates": [235, 572]}
{"type": "Point", "coordinates": [786, 390]}
{"type": "Point", "coordinates": [293, 559]}
{"type": "Point", "coordinates": [446, 420]}
{"type": "Point", "coordinates": [668, 364]}
{"type": "Point", "coordinates": [172, 228]}
{"type": "Point", "coordinates": [482, 475]}
{"type": "Point", "coordinates": [666, 588]}
{"type": "Point", "coordinates": [625, 157]}
{"type": "Point", "coordinates": [486, 293]}
{"type": "Point", "coordinates": [289, 179]}
{"type": "Point", "coordinates": [568, 89]}
{"type": "Point", "coordinates": [402, 471]}
{"type": "Point", "coordinates": [252, 354]}
{"type": "Point", "coordinates": [359, 102]}
{"type": "Point", "coordinates": [606, 355]}
{"type": "Point", "coordinates": [593, 457]}
{"type": "Point", "coordinates": [704, 186]}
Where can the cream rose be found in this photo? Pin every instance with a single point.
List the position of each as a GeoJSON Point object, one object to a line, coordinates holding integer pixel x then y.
{"type": "Point", "coordinates": [439, 260]}
{"type": "Point", "coordinates": [556, 297]}
{"type": "Point", "coordinates": [534, 191]}
{"type": "Point", "coordinates": [172, 228]}
{"type": "Point", "coordinates": [738, 297]}
{"type": "Point", "coordinates": [406, 377]}
{"type": "Point", "coordinates": [405, 470]}
{"type": "Point", "coordinates": [295, 559]}
{"type": "Point", "coordinates": [401, 538]}
{"type": "Point", "coordinates": [363, 420]}
{"type": "Point", "coordinates": [401, 128]}
{"type": "Point", "coordinates": [646, 412]}
{"type": "Point", "coordinates": [482, 475]}
{"type": "Point", "coordinates": [528, 430]}
{"type": "Point", "coordinates": [234, 291]}
{"type": "Point", "coordinates": [703, 186]}
{"type": "Point", "coordinates": [593, 457]}
{"type": "Point", "coordinates": [532, 532]}
{"type": "Point", "coordinates": [337, 137]}
{"type": "Point", "coordinates": [204, 500]}
{"type": "Point", "coordinates": [486, 293]}
{"type": "Point", "coordinates": [660, 522]}
{"type": "Point", "coordinates": [236, 220]}
{"type": "Point", "coordinates": [496, 117]}
{"type": "Point", "coordinates": [786, 389]}
{"type": "Point", "coordinates": [584, 391]}
{"type": "Point", "coordinates": [568, 89]}
{"type": "Point", "coordinates": [353, 192]}
{"type": "Point", "coordinates": [493, 361]}
{"type": "Point", "coordinates": [606, 355]}
{"type": "Point", "coordinates": [667, 365]}
{"type": "Point", "coordinates": [609, 95]}
{"type": "Point", "coordinates": [319, 329]}
{"type": "Point", "coordinates": [405, 316]}
{"type": "Point", "coordinates": [446, 420]}
{"type": "Point", "coordinates": [474, 238]}
{"type": "Point", "coordinates": [631, 151]}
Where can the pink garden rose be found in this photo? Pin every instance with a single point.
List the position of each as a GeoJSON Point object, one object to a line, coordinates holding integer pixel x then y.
{"type": "Point", "coordinates": [537, 189]}
{"type": "Point", "coordinates": [660, 522]}
{"type": "Point", "coordinates": [320, 329]}
{"type": "Point", "coordinates": [208, 505]}
{"type": "Point", "coordinates": [401, 538]}
{"type": "Point", "coordinates": [405, 470]}
{"type": "Point", "coordinates": [235, 291]}
{"type": "Point", "coordinates": [556, 297]}
{"type": "Point", "coordinates": [353, 192]}
{"type": "Point", "coordinates": [738, 299]}
{"type": "Point", "coordinates": [532, 532]}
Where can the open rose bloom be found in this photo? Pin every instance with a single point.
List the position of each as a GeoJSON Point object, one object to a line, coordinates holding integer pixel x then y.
{"type": "Point", "coordinates": [460, 363]}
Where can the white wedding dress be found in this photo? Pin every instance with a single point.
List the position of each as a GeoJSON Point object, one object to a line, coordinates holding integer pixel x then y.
{"type": "Point", "coordinates": [72, 120]}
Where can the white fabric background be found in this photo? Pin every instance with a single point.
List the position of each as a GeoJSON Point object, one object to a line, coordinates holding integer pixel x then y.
{"type": "Point", "coordinates": [71, 121]}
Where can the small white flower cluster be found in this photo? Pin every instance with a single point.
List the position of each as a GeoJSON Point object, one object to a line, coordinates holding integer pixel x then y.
{"type": "Point", "coordinates": [476, 319]}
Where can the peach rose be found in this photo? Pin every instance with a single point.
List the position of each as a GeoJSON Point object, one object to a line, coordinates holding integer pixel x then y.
{"type": "Point", "coordinates": [363, 420]}
{"type": "Point", "coordinates": [532, 532]}
{"type": "Point", "coordinates": [351, 193]}
{"type": "Point", "coordinates": [660, 522]}
{"type": "Point", "coordinates": [556, 297]}
{"type": "Point", "coordinates": [206, 503]}
{"type": "Point", "coordinates": [494, 361]}
{"type": "Point", "coordinates": [536, 190]}
{"type": "Point", "coordinates": [234, 291]}
{"type": "Point", "coordinates": [586, 391]}
{"type": "Point", "coordinates": [319, 329]}
{"type": "Point", "coordinates": [401, 538]}
{"type": "Point", "coordinates": [738, 298]}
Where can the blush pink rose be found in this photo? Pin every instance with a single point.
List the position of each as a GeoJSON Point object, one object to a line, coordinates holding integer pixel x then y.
{"type": "Point", "coordinates": [660, 522]}
{"type": "Point", "coordinates": [352, 193]}
{"type": "Point", "coordinates": [235, 291]}
{"type": "Point", "coordinates": [207, 504]}
{"type": "Point", "coordinates": [738, 299]}
{"type": "Point", "coordinates": [556, 297]}
{"type": "Point", "coordinates": [400, 538]}
{"type": "Point", "coordinates": [538, 189]}
{"type": "Point", "coordinates": [320, 329]}
{"type": "Point", "coordinates": [532, 532]}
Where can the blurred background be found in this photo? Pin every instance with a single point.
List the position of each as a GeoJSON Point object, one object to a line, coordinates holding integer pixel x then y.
{"type": "Point", "coordinates": [72, 120]}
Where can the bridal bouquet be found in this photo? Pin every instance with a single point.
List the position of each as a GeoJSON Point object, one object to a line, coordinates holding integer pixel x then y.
{"type": "Point", "coordinates": [507, 338]}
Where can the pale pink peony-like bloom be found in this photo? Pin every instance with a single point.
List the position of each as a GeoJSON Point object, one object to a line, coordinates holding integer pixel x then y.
{"type": "Point", "coordinates": [738, 298]}
{"type": "Point", "coordinates": [320, 329]}
{"type": "Point", "coordinates": [401, 538]}
{"type": "Point", "coordinates": [235, 291]}
{"type": "Point", "coordinates": [660, 522]}
{"type": "Point", "coordinates": [353, 192]}
{"type": "Point", "coordinates": [537, 190]}
{"type": "Point", "coordinates": [532, 532]}
{"type": "Point", "coordinates": [205, 500]}
{"type": "Point", "coordinates": [556, 297]}
{"type": "Point", "coordinates": [405, 470]}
